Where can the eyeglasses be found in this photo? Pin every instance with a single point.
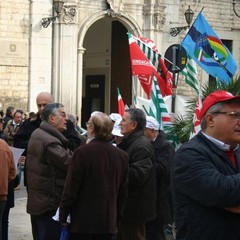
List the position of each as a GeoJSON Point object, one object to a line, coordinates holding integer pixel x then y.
{"type": "Point", "coordinates": [234, 115]}
{"type": "Point", "coordinates": [63, 114]}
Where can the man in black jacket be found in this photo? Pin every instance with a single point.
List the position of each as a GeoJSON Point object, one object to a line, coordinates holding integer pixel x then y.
{"type": "Point", "coordinates": [164, 151]}
{"type": "Point", "coordinates": [206, 178]}
{"type": "Point", "coordinates": [141, 201]}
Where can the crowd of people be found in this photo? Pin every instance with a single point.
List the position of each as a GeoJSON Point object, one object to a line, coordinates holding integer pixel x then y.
{"type": "Point", "coordinates": [124, 181]}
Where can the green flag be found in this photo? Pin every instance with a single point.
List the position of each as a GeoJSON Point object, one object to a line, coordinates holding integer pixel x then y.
{"type": "Point", "coordinates": [190, 73]}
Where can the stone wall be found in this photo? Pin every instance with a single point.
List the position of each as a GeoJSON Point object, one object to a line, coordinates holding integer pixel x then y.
{"type": "Point", "coordinates": [14, 28]}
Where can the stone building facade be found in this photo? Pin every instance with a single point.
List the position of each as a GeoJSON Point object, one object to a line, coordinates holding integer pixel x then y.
{"type": "Point", "coordinates": [83, 56]}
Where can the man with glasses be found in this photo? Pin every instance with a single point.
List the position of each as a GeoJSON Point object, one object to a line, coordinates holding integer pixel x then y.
{"type": "Point", "coordinates": [206, 176]}
{"type": "Point", "coordinates": [47, 165]}
{"type": "Point", "coordinates": [24, 133]}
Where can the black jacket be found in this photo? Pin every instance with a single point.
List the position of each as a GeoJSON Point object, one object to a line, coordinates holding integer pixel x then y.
{"type": "Point", "coordinates": [204, 183]}
{"type": "Point", "coordinates": [141, 201]}
{"type": "Point", "coordinates": [164, 152]}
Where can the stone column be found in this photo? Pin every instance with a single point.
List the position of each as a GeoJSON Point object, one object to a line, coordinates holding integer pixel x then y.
{"type": "Point", "coordinates": [65, 59]}
{"type": "Point", "coordinates": [81, 51]}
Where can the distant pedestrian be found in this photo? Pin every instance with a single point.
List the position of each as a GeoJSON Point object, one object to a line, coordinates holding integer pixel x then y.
{"type": "Point", "coordinates": [96, 187]}
{"type": "Point", "coordinates": [12, 127]}
{"type": "Point", "coordinates": [8, 116]}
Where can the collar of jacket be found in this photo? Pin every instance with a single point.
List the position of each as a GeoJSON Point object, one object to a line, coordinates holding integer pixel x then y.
{"type": "Point", "coordinates": [45, 126]}
{"type": "Point", "coordinates": [130, 138]}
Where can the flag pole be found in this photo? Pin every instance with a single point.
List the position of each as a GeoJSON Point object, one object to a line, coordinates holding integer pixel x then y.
{"type": "Point", "coordinates": [174, 86]}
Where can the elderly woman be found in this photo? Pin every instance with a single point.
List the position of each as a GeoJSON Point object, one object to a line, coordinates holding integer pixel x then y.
{"type": "Point", "coordinates": [96, 187]}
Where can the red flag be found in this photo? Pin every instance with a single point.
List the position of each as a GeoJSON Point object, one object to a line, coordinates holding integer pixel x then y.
{"type": "Point", "coordinates": [196, 121]}
{"type": "Point", "coordinates": [121, 106]}
{"type": "Point", "coordinates": [150, 50]}
{"type": "Point", "coordinates": [143, 68]}
{"type": "Point", "coordinates": [166, 74]}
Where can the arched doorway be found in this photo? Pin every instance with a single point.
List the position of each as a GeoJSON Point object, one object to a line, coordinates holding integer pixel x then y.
{"type": "Point", "coordinates": [106, 66]}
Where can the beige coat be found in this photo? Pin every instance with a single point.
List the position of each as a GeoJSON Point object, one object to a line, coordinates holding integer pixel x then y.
{"type": "Point", "coordinates": [7, 169]}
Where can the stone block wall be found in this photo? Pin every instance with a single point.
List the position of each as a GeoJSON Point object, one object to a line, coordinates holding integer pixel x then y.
{"type": "Point", "coordinates": [14, 29]}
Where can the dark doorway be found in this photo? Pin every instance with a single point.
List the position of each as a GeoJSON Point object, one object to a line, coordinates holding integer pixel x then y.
{"type": "Point", "coordinates": [95, 96]}
{"type": "Point", "coordinates": [120, 68]}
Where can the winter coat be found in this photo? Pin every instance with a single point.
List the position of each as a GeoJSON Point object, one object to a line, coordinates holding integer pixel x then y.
{"type": "Point", "coordinates": [7, 169]}
{"type": "Point", "coordinates": [205, 183]}
{"type": "Point", "coordinates": [164, 152]}
{"type": "Point", "coordinates": [96, 188]}
{"type": "Point", "coordinates": [47, 164]}
{"type": "Point", "coordinates": [141, 201]}
{"type": "Point", "coordinates": [9, 131]}
{"type": "Point", "coordinates": [24, 133]}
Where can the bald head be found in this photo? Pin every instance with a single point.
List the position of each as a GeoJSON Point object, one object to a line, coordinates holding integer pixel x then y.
{"type": "Point", "coordinates": [42, 100]}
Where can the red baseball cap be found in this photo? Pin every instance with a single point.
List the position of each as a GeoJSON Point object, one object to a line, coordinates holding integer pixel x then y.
{"type": "Point", "coordinates": [215, 97]}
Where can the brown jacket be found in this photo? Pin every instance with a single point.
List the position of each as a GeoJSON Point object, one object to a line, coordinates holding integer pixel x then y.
{"type": "Point", "coordinates": [47, 164]}
{"type": "Point", "coordinates": [7, 169]}
{"type": "Point", "coordinates": [10, 130]}
{"type": "Point", "coordinates": [96, 188]}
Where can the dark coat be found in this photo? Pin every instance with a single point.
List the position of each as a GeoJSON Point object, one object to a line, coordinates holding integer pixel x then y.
{"type": "Point", "coordinates": [96, 188]}
{"type": "Point", "coordinates": [141, 201]}
{"type": "Point", "coordinates": [204, 183]}
{"type": "Point", "coordinates": [47, 164]}
{"type": "Point", "coordinates": [164, 152]}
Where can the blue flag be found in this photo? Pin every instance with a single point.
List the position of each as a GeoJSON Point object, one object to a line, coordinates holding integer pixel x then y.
{"type": "Point", "coordinates": [207, 50]}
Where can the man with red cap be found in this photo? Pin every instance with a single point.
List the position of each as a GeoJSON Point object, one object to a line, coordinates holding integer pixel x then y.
{"type": "Point", "coordinates": [206, 174]}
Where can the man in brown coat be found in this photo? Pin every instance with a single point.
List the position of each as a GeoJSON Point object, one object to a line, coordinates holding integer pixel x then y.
{"type": "Point", "coordinates": [96, 187]}
{"type": "Point", "coordinates": [47, 163]}
{"type": "Point", "coordinates": [7, 173]}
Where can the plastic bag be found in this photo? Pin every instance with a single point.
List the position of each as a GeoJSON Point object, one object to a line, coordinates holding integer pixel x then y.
{"type": "Point", "coordinates": [65, 235]}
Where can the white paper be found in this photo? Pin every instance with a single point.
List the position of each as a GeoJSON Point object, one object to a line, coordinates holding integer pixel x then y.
{"type": "Point", "coordinates": [17, 153]}
{"type": "Point", "coordinates": [56, 217]}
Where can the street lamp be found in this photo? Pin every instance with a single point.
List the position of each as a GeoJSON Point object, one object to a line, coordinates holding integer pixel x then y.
{"type": "Point", "coordinates": [57, 4]}
{"type": "Point", "coordinates": [234, 8]}
{"type": "Point", "coordinates": [188, 16]}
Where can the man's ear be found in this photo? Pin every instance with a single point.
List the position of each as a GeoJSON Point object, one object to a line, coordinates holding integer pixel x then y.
{"type": "Point", "coordinates": [210, 119]}
{"type": "Point", "coordinates": [51, 119]}
{"type": "Point", "coordinates": [134, 125]}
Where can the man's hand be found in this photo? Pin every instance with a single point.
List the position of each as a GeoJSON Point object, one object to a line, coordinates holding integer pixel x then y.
{"type": "Point", "coordinates": [233, 209]}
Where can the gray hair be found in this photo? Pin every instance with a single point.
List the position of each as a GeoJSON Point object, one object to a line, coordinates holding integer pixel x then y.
{"type": "Point", "coordinates": [102, 125]}
{"type": "Point", "coordinates": [137, 115]}
{"type": "Point", "coordinates": [72, 118]}
{"type": "Point", "coordinates": [51, 109]}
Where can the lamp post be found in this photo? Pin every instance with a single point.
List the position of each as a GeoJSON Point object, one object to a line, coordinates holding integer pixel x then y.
{"type": "Point", "coordinates": [57, 4]}
{"type": "Point", "coordinates": [188, 16]}
{"type": "Point", "coordinates": [234, 8]}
